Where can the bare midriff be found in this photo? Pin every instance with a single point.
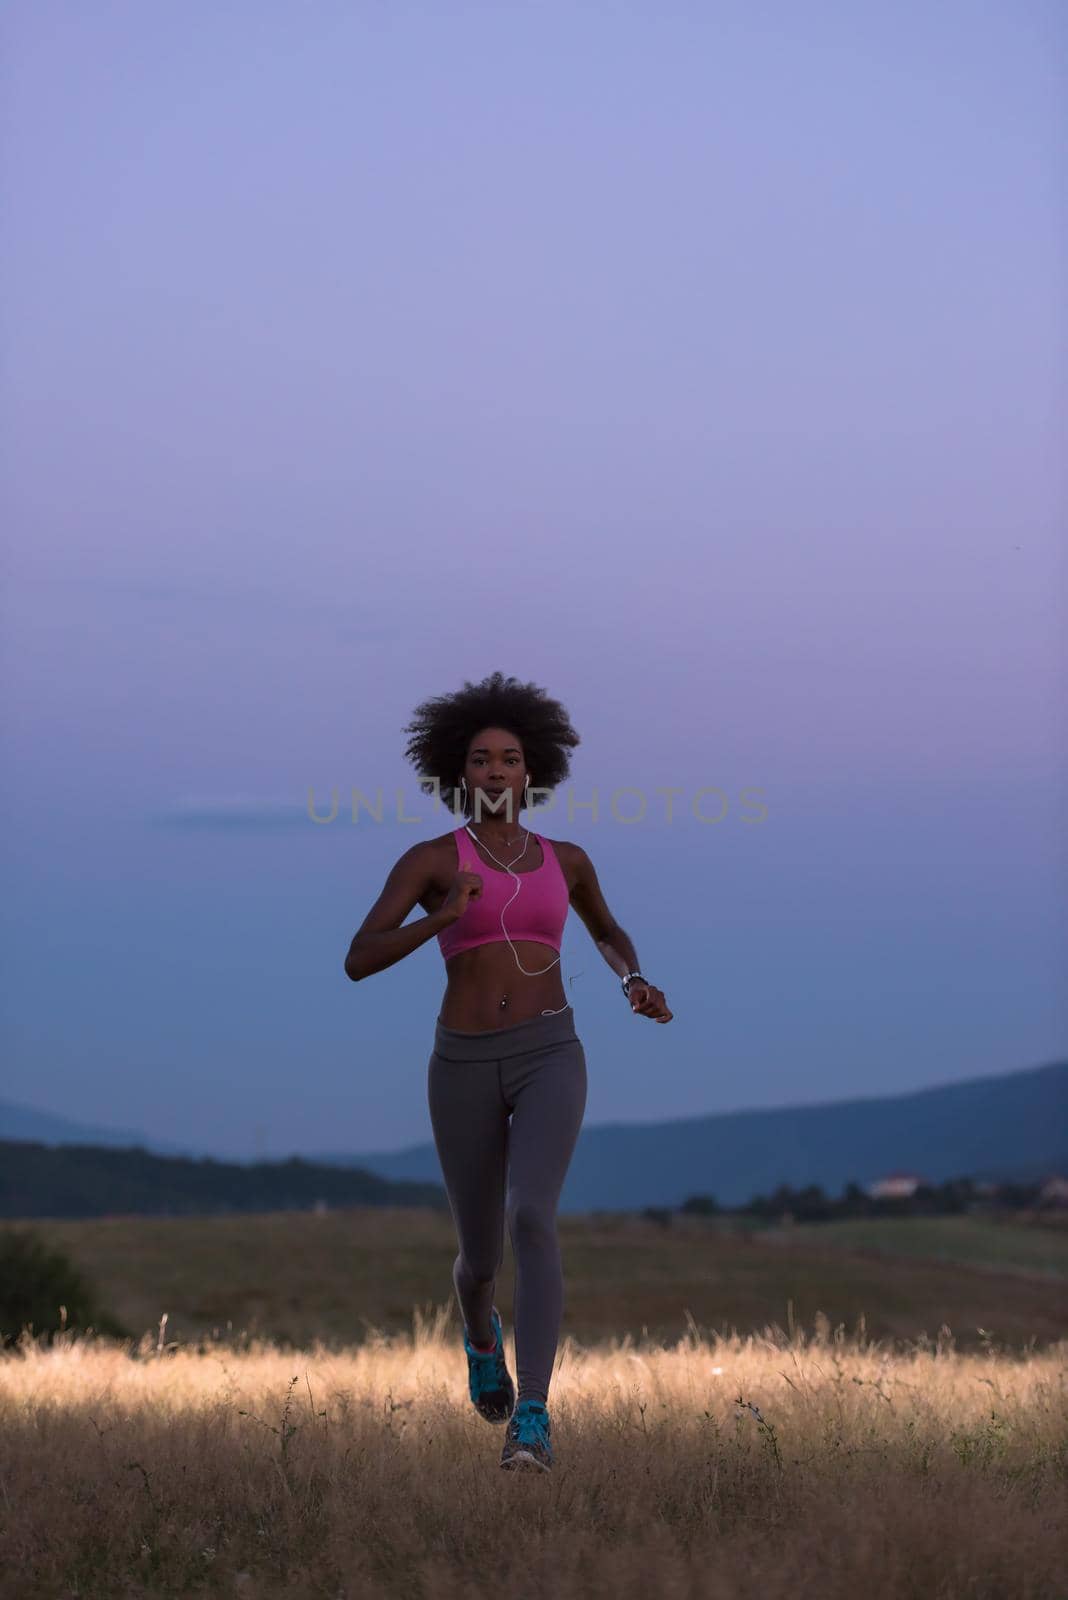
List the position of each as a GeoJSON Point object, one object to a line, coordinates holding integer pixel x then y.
{"type": "Point", "coordinates": [485, 988]}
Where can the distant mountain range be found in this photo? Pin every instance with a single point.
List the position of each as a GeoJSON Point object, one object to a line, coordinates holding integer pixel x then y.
{"type": "Point", "coordinates": [1008, 1127]}
{"type": "Point", "coordinates": [42, 1127]}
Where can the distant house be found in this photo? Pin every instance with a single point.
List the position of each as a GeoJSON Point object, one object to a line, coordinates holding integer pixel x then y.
{"type": "Point", "coordinates": [895, 1186]}
{"type": "Point", "coordinates": [1054, 1192]}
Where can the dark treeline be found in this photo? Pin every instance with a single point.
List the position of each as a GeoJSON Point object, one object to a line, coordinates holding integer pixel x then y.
{"type": "Point", "coordinates": [812, 1204]}
{"type": "Point", "coordinates": [81, 1180]}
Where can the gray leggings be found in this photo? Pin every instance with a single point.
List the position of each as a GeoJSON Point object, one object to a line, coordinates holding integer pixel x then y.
{"type": "Point", "coordinates": [533, 1073]}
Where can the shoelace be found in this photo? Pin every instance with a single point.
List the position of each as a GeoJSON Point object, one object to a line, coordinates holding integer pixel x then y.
{"type": "Point", "coordinates": [530, 1426]}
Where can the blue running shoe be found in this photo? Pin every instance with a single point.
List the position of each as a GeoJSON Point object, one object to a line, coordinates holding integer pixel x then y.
{"type": "Point", "coordinates": [527, 1442]}
{"type": "Point", "coordinates": [489, 1382]}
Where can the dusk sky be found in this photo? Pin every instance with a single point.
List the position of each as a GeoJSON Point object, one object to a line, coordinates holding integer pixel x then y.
{"type": "Point", "coordinates": [701, 363]}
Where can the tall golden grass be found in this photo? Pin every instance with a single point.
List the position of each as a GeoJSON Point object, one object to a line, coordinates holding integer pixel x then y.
{"type": "Point", "coordinates": [734, 1467]}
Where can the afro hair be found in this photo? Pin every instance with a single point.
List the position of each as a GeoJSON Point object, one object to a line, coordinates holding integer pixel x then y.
{"type": "Point", "coordinates": [443, 727]}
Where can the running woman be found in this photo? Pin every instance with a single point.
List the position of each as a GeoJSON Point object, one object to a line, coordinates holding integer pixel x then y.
{"type": "Point", "coordinates": [506, 1080]}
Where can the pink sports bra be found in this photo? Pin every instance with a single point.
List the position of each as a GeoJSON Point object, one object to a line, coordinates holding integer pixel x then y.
{"type": "Point", "coordinates": [537, 912]}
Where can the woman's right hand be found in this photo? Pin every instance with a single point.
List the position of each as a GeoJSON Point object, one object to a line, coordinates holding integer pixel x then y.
{"type": "Point", "coordinates": [464, 887]}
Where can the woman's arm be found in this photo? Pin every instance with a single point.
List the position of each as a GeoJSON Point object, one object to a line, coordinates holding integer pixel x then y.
{"type": "Point", "coordinates": [612, 941]}
{"type": "Point", "coordinates": [588, 900]}
{"type": "Point", "coordinates": [380, 940]}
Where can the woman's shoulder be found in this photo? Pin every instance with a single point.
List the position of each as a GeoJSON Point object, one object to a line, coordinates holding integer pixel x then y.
{"type": "Point", "coordinates": [444, 844]}
{"type": "Point", "coordinates": [436, 852]}
{"type": "Point", "coordinates": [570, 854]}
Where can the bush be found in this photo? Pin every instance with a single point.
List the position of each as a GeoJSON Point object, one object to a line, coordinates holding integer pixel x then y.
{"type": "Point", "coordinates": [42, 1289]}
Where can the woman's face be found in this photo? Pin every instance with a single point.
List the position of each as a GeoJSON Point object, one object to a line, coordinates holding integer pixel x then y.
{"type": "Point", "coordinates": [496, 765]}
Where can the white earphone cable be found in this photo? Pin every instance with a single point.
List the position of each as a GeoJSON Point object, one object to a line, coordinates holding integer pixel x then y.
{"type": "Point", "coordinates": [507, 867]}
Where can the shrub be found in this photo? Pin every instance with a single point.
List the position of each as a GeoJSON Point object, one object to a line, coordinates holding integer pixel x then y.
{"type": "Point", "coordinates": [41, 1288]}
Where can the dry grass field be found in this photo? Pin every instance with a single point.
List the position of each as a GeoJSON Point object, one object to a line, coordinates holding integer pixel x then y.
{"type": "Point", "coordinates": [295, 1277]}
{"type": "Point", "coordinates": [794, 1451]}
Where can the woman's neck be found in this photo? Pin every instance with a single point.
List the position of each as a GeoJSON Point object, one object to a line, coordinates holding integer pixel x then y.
{"type": "Point", "coordinates": [496, 830]}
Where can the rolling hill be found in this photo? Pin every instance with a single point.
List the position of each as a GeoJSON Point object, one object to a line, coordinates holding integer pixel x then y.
{"type": "Point", "coordinates": [1013, 1126]}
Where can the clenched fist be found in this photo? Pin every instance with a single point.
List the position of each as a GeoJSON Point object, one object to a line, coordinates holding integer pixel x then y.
{"type": "Point", "coordinates": [646, 1000]}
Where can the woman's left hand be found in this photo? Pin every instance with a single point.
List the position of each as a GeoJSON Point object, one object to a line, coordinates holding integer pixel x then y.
{"type": "Point", "coordinates": [646, 1000]}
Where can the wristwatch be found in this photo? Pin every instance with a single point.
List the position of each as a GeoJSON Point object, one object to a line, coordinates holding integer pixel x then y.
{"type": "Point", "coordinates": [629, 979]}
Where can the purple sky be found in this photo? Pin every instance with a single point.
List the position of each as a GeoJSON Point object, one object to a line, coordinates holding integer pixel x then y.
{"type": "Point", "coordinates": [703, 364]}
